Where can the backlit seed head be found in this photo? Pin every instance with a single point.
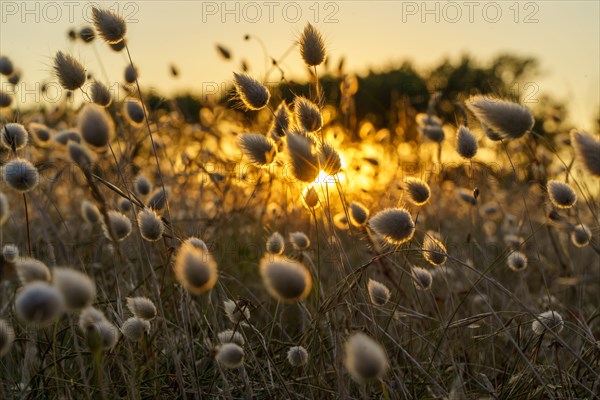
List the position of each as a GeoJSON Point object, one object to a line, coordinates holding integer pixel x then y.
{"type": "Point", "coordinates": [282, 120]}
{"type": "Point", "coordinates": [551, 319]}
{"type": "Point", "coordinates": [134, 328]}
{"type": "Point", "coordinates": [39, 304]}
{"type": "Point", "coordinates": [4, 209]}
{"type": "Point", "coordinates": [310, 198]}
{"type": "Point", "coordinates": [96, 126]}
{"type": "Point", "coordinates": [151, 225]}
{"type": "Point", "coordinates": [77, 288]}
{"type": "Point", "coordinates": [131, 74]}
{"type": "Point", "coordinates": [509, 120]}
{"type": "Point", "coordinates": [253, 94]}
{"type": "Point", "coordinates": [40, 133]}
{"type": "Point", "coordinates": [260, 149]}
{"type": "Point", "coordinates": [359, 214]}
{"type": "Point", "coordinates": [80, 155]}
{"type": "Point", "coordinates": [434, 251]}
{"type": "Point", "coordinates": [297, 356]}
{"type": "Point", "coordinates": [587, 148]}
{"type": "Point", "coordinates": [10, 252]}
{"type": "Point", "coordinates": [110, 26]}
{"type": "Point", "coordinates": [6, 66]}
{"type": "Point", "coordinates": [103, 333]}
{"type": "Point", "coordinates": [466, 195]}
{"type": "Point", "coordinates": [341, 221]}
{"type": "Point", "coordinates": [418, 191]}
{"type": "Point", "coordinates": [286, 280]}
{"type": "Point", "coordinates": [124, 205]}
{"type": "Point", "coordinates": [69, 71]}
{"type": "Point", "coordinates": [20, 175]}
{"type": "Point", "coordinates": [142, 185]}
{"type": "Point", "coordinates": [142, 307]}
{"type": "Point", "coordinates": [516, 261]}
{"type": "Point", "coordinates": [89, 317]}
{"type": "Point", "coordinates": [7, 336]}
{"type": "Point", "coordinates": [230, 336]}
{"type": "Point", "coordinates": [120, 224]}
{"type": "Point", "coordinates": [100, 94]}
{"type": "Point", "coordinates": [89, 212]}
{"type": "Point", "coordinates": [29, 270]}
{"type": "Point", "coordinates": [330, 159]}
{"type": "Point", "coordinates": [236, 312]}
{"type": "Point", "coordinates": [561, 194]}
{"type": "Point", "coordinates": [5, 99]}
{"type": "Point", "coordinates": [13, 136]}
{"type": "Point", "coordinates": [158, 199]}
{"type": "Point", "coordinates": [364, 359]}
{"type": "Point", "coordinates": [275, 243]}
{"type": "Point", "coordinates": [395, 225]}
{"type": "Point", "coordinates": [312, 46]}
{"type": "Point", "coordinates": [134, 111]}
{"type": "Point", "coordinates": [299, 240]}
{"type": "Point", "coordinates": [66, 136]}
{"type": "Point", "coordinates": [195, 269]}
{"type": "Point", "coordinates": [197, 243]}
{"type": "Point", "coordinates": [87, 34]}
{"type": "Point", "coordinates": [422, 278]}
{"type": "Point", "coordinates": [581, 235]}
{"type": "Point", "coordinates": [303, 156]}
{"type": "Point", "coordinates": [308, 115]}
{"type": "Point", "coordinates": [466, 143]}
{"type": "Point", "coordinates": [230, 355]}
{"type": "Point", "coordinates": [378, 293]}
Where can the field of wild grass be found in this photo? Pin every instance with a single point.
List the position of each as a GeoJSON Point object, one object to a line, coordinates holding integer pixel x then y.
{"type": "Point", "coordinates": [290, 251]}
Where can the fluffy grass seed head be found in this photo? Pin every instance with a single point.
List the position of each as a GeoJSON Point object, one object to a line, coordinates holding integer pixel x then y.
{"type": "Point", "coordinates": [297, 356]}
{"type": "Point", "coordinates": [119, 223]}
{"type": "Point", "coordinates": [124, 205]}
{"type": "Point", "coordinates": [197, 243]}
{"type": "Point", "coordinates": [299, 240]}
{"type": "Point", "coordinates": [310, 197]}
{"type": "Point", "coordinates": [5, 99]}
{"type": "Point", "coordinates": [6, 66]}
{"type": "Point", "coordinates": [88, 317]}
{"type": "Point", "coordinates": [77, 288]}
{"type": "Point", "coordinates": [96, 126]}
{"type": "Point", "coordinates": [80, 155]}
{"type": "Point", "coordinates": [230, 355]}
{"type": "Point", "coordinates": [237, 313]}
{"type": "Point", "coordinates": [517, 261]}
{"type": "Point", "coordinates": [282, 120]}
{"type": "Point", "coordinates": [561, 194]}
{"type": "Point", "coordinates": [131, 74]}
{"type": "Point", "coordinates": [330, 159]}
{"type": "Point", "coordinates": [134, 328]}
{"type": "Point", "coordinates": [100, 94]}
{"type": "Point", "coordinates": [30, 270]}
{"type": "Point", "coordinates": [69, 71]}
{"type": "Point", "coordinates": [151, 225]}
{"type": "Point", "coordinates": [308, 116]}
{"type": "Point", "coordinates": [395, 225]}
{"type": "Point", "coordinates": [422, 278]}
{"type": "Point", "coordinates": [158, 199]}
{"type": "Point", "coordinates": [581, 235]}
{"type": "Point", "coordinates": [142, 185]}
{"type": "Point", "coordinates": [110, 26]}
{"type": "Point", "coordinates": [40, 133]}
{"type": "Point", "coordinates": [195, 269]}
{"type": "Point", "coordinates": [260, 149]}
{"type": "Point", "coordinates": [10, 252]}
{"type": "Point", "coordinates": [587, 148]}
{"type": "Point", "coordinates": [142, 307]}
{"type": "Point", "coordinates": [39, 304]}
{"type": "Point", "coordinates": [7, 337]}
{"type": "Point", "coordinates": [365, 359]}
{"type": "Point", "coordinates": [359, 214]}
{"type": "Point", "coordinates": [231, 336]}
{"type": "Point", "coordinates": [378, 293]}
{"type": "Point", "coordinates": [286, 280]}
{"type": "Point", "coordinates": [466, 143]}
{"type": "Point", "coordinates": [134, 111]}
{"type": "Point", "coordinates": [509, 120]}
{"type": "Point", "coordinates": [418, 190]}
{"type": "Point", "coordinates": [275, 243]}
{"type": "Point", "coordinates": [466, 195]}
{"type": "Point", "coordinates": [87, 34]}
{"type": "Point", "coordinates": [304, 158]}
{"type": "Point", "coordinates": [4, 209]}
{"type": "Point", "coordinates": [434, 250]}
{"type": "Point", "coordinates": [14, 136]}
{"type": "Point", "coordinates": [68, 135]}
{"type": "Point", "coordinates": [312, 46]}
{"type": "Point", "coordinates": [553, 321]}
{"type": "Point", "coordinates": [20, 175]}
{"type": "Point", "coordinates": [253, 94]}
{"type": "Point", "coordinates": [89, 212]}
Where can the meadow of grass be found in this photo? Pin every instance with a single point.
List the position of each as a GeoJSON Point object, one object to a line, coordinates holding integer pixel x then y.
{"type": "Point", "coordinates": [287, 251]}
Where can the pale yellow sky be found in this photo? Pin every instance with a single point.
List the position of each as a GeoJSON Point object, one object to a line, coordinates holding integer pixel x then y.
{"type": "Point", "coordinates": [563, 35]}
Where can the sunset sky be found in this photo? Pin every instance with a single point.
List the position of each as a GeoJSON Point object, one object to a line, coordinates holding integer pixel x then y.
{"type": "Point", "coordinates": [563, 35]}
